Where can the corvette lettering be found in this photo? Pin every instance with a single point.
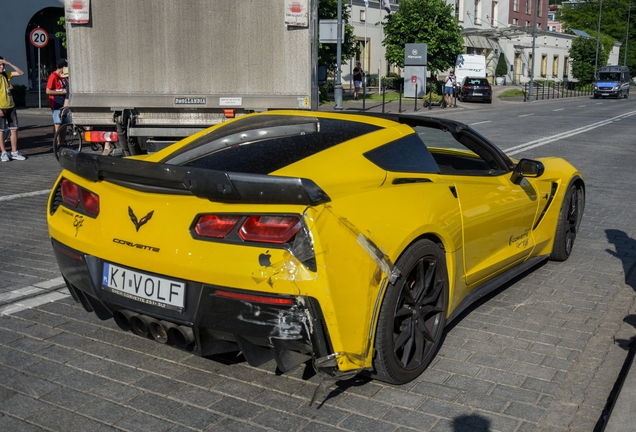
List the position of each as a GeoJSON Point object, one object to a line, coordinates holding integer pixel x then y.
{"type": "Point", "coordinates": [136, 245]}
{"type": "Point", "coordinates": [515, 239]}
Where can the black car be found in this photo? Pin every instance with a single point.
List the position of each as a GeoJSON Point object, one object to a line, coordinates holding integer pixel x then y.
{"type": "Point", "coordinates": [475, 88]}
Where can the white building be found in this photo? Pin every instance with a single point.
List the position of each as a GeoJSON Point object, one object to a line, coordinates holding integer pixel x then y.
{"type": "Point", "coordinates": [489, 29]}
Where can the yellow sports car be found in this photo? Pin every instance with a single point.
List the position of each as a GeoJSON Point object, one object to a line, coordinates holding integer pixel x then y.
{"type": "Point", "coordinates": [350, 240]}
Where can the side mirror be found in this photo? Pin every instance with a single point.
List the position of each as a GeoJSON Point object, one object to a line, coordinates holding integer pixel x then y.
{"type": "Point", "coordinates": [527, 168]}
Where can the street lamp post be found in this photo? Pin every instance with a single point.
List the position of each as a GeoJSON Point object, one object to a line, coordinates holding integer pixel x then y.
{"type": "Point", "coordinates": [534, 43]}
{"type": "Point", "coordinates": [598, 37]}
{"type": "Point", "coordinates": [337, 88]}
{"type": "Point", "coordinates": [629, 11]}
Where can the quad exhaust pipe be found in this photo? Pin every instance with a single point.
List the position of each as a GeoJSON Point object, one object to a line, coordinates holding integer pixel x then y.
{"type": "Point", "coordinates": [162, 331]}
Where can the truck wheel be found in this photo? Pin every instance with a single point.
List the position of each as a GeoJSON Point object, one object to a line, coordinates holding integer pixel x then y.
{"type": "Point", "coordinates": [413, 315]}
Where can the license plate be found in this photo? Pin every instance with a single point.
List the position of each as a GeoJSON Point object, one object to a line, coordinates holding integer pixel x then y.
{"type": "Point", "coordinates": [477, 94]}
{"type": "Point", "coordinates": [604, 94]}
{"type": "Point", "coordinates": [144, 288]}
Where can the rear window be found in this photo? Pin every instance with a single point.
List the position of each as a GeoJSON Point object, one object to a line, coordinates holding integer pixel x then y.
{"type": "Point", "coordinates": [261, 145]}
{"type": "Point", "coordinates": [476, 81]}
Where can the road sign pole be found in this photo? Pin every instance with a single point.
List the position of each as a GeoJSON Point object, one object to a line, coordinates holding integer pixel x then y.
{"type": "Point", "coordinates": [39, 39]}
{"type": "Point", "coordinates": [39, 80]}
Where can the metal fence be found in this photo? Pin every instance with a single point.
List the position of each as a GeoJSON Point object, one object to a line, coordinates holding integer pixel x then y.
{"type": "Point", "coordinates": [555, 90]}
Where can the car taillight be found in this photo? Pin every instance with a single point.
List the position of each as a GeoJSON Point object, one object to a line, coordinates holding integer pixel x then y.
{"type": "Point", "coordinates": [467, 87]}
{"type": "Point", "coordinates": [90, 201]}
{"type": "Point", "coordinates": [80, 198]}
{"type": "Point", "coordinates": [216, 226]}
{"type": "Point", "coordinates": [269, 229]}
{"type": "Point", "coordinates": [100, 136]}
{"type": "Point", "coordinates": [70, 193]}
{"type": "Point", "coordinates": [488, 88]}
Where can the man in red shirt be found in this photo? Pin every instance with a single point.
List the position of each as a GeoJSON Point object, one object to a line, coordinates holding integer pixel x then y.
{"type": "Point", "coordinates": [56, 88]}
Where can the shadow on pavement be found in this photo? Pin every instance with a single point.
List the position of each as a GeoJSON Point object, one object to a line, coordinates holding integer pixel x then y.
{"type": "Point", "coordinates": [624, 250]}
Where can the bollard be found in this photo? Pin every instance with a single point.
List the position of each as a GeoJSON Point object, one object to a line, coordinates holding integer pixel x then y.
{"type": "Point", "coordinates": [415, 97]}
{"type": "Point", "coordinates": [430, 99]}
{"type": "Point", "coordinates": [400, 99]}
{"type": "Point", "coordinates": [383, 95]}
{"type": "Point", "coordinates": [525, 92]}
{"type": "Point", "coordinates": [364, 98]}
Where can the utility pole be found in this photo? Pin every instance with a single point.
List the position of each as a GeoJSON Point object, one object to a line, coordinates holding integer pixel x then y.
{"type": "Point", "coordinates": [534, 43]}
{"type": "Point", "coordinates": [598, 37]}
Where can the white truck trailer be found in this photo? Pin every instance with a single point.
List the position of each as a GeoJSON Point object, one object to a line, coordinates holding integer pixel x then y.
{"type": "Point", "coordinates": [159, 70]}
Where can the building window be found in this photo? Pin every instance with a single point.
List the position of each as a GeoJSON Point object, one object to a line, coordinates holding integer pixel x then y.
{"type": "Point", "coordinates": [515, 21]}
{"type": "Point", "coordinates": [528, 7]}
{"type": "Point", "coordinates": [527, 23]}
{"type": "Point", "coordinates": [566, 64]}
{"type": "Point", "coordinates": [363, 15]}
{"type": "Point", "coordinates": [494, 14]}
{"type": "Point", "coordinates": [544, 65]}
{"type": "Point", "coordinates": [515, 5]}
{"type": "Point", "coordinates": [539, 7]}
{"type": "Point", "coordinates": [555, 66]}
{"type": "Point", "coordinates": [459, 10]}
{"type": "Point", "coordinates": [477, 12]}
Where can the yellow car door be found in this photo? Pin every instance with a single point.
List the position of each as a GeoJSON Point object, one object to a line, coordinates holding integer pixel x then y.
{"type": "Point", "coordinates": [497, 218]}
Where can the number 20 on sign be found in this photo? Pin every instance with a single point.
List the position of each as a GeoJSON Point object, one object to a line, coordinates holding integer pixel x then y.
{"type": "Point", "coordinates": [39, 37]}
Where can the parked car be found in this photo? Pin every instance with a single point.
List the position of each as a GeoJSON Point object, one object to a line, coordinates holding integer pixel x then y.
{"type": "Point", "coordinates": [346, 239]}
{"type": "Point", "coordinates": [475, 89]}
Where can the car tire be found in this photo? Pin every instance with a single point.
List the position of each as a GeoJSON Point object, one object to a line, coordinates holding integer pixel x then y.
{"type": "Point", "coordinates": [569, 223]}
{"type": "Point", "coordinates": [595, 96]}
{"type": "Point", "coordinates": [413, 315]}
{"type": "Point", "coordinates": [626, 94]}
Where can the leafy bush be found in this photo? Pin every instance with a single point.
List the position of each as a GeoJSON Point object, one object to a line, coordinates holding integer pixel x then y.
{"type": "Point", "coordinates": [19, 95]}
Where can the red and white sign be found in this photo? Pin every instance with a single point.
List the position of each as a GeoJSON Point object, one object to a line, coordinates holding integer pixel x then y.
{"type": "Point", "coordinates": [297, 13]}
{"type": "Point", "coordinates": [39, 37]}
{"type": "Point", "coordinates": [77, 11]}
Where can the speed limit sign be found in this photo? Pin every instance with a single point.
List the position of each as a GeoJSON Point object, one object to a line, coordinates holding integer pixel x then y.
{"type": "Point", "coordinates": [39, 37]}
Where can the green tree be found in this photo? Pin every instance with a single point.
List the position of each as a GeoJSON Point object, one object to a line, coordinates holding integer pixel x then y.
{"type": "Point", "coordinates": [424, 21]}
{"type": "Point", "coordinates": [583, 55]}
{"type": "Point", "coordinates": [328, 9]}
{"type": "Point", "coordinates": [584, 16]}
{"type": "Point", "coordinates": [62, 34]}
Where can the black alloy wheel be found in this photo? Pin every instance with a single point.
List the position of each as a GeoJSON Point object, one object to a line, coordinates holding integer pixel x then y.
{"type": "Point", "coordinates": [569, 223]}
{"type": "Point", "coordinates": [413, 315]}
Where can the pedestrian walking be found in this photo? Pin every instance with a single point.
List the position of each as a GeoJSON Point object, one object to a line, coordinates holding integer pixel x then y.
{"type": "Point", "coordinates": [449, 88]}
{"type": "Point", "coordinates": [8, 115]}
{"type": "Point", "coordinates": [57, 88]}
{"type": "Point", "coordinates": [358, 76]}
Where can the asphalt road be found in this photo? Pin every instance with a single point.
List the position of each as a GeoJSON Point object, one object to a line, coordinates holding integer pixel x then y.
{"type": "Point", "coordinates": [543, 353]}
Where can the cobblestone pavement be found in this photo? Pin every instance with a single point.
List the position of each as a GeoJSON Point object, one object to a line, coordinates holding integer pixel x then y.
{"type": "Point", "coordinates": [542, 353]}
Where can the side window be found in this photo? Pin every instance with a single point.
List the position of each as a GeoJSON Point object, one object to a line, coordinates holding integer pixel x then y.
{"type": "Point", "coordinates": [455, 156]}
{"type": "Point", "coordinates": [408, 154]}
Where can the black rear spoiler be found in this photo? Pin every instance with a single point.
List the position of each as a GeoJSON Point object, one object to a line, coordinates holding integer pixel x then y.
{"type": "Point", "coordinates": [218, 186]}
